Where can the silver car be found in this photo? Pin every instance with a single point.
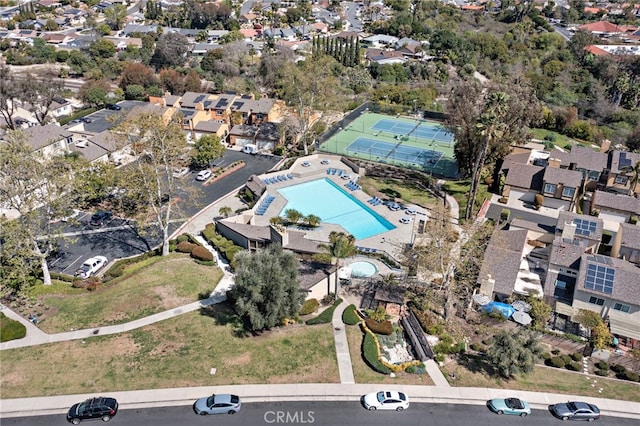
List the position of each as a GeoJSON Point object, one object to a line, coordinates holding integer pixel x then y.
{"type": "Point", "coordinates": [217, 404]}
{"type": "Point", "coordinates": [575, 410]}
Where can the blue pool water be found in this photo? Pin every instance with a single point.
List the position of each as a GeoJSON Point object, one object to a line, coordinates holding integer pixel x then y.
{"type": "Point", "coordinates": [332, 204]}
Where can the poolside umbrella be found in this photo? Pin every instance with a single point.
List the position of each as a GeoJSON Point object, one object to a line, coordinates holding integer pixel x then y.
{"type": "Point", "coordinates": [521, 317]}
{"type": "Point", "coordinates": [519, 305]}
{"type": "Point", "coordinates": [481, 299]}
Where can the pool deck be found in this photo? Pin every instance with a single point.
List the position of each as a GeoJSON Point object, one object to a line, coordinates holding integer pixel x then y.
{"type": "Point", "coordinates": [390, 242]}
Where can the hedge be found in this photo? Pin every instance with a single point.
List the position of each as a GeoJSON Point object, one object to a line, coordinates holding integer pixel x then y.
{"type": "Point", "coordinates": [62, 277]}
{"type": "Point", "coordinates": [574, 366]}
{"type": "Point", "coordinates": [576, 356]}
{"type": "Point", "coordinates": [370, 354]}
{"type": "Point", "coordinates": [11, 329]}
{"type": "Point", "coordinates": [350, 316]}
{"type": "Point", "coordinates": [602, 365]}
{"type": "Point", "coordinates": [619, 368]}
{"type": "Point", "coordinates": [566, 358]}
{"type": "Point", "coordinates": [556, 361]}
{"type": "Point", "coordinates": [603, 373]}
{"type": "Point", "coordinates": [201, 253]}
{"type": "Point", "coordinates": [185, 247]}
{"type": "Point", "coordinates": [629, 375]}
{"type": "Point", "coordinates": [225, 246]}
{"type": "Point", "coordinates": [326, 315]}
{"type": "Point", "coordinates": [117, 269]}
{"type": "Point", "coordinates": [382, 327]}
{"type": "Point", "coordinates": [309, 306]}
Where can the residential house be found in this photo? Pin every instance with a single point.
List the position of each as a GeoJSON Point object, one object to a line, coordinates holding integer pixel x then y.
{"type": "Point", "coordinates": [61, 107]}
{"type": "Point", "coordinates": [48, 140]}
{"type": "Point", "coordinates": [523, 182]}
{"type": "Point", "coordinates": [612, 49]}
{"type": "Point", "coordinates": [623, 173]}
{"type": "Point", "coordinates": [614, 208]}
{"type": "Point", "coordinates": [561, 187]}
{"type": "Point", "coordinates": [90, 151]}
{"type": "Point", "coordinates": [380, 41]}
{"type": "Point", "coordinates": [601, 29]}
{"type": "Point", "coordinates": [210, 127]}
{"type": "Point", "coordinates": [592, 164]}
{"type": "Point", "coordinates": [611, 287]}
{"type": "Point", "coordinates": [384, 57]}
{"type": "Point", "coordinates": [626, 244]}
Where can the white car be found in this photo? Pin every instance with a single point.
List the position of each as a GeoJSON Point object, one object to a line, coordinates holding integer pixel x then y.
{"type": "Point", "coordinates": [179, 172]}
{"type": "Point", "coordinates": [386, 400]}
{"type": "Point", "coordinates": [91, 266]}
{"type": "Point", "coordinates": [203, 175]}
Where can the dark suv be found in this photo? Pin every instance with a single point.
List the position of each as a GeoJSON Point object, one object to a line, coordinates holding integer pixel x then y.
{"type": "Point", "coordinates": [93, 409]}
{"type": "Point", "coordinates": [113, 107]}
{"type": "Point", "coordinates": [100, 218]}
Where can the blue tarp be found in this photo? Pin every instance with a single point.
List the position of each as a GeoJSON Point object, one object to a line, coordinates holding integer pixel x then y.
{"type": "Point", "coordinates": [503, 308]}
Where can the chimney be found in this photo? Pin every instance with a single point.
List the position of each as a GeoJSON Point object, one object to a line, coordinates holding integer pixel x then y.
{"type": "Point", "coordinates": [569, 231]}
{"type": "Point", "coordinates": [605, 145]}
{"type": "Point", "coordinates": [486, 287]}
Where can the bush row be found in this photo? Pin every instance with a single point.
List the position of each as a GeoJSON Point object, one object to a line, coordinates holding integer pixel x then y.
{"type": "Point", "coordinates": [326, 315]}
{"type": "Point", "coordinates": [309, 306]}
{"type": "Point", "coordinates": [350, 315]}
{"type": "Point", "coordinates": [117, 269]}
{"type": "Point", "coordinates": [225, 246]}
{"type": "Point", "coordinates": [382, 327]}
{"type": "Point", "coordinates": [370, 354]}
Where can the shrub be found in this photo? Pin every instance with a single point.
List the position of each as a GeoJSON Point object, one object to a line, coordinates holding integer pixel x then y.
{"type": "Point", "coordinates": [62, 277]}
{"type": "Point", "coordinates": [11, 329]}
{"type": "Point", "coordinates": [488, 341]}
{"type": "Point", "coordinates": [602, 365]}
{"type": "Point", "coordinates": [326, 315]}
{"type": "Point", "coordinates": [371, 356]}
{"type": "Point", "coordinates": [574, 366]}
{"type": "Point", "coordinates": [185, 247]}
{"type": "Point", "coordinates": [566, 358]}
{"type": "Point", "coordinates": [618, 368]}
{"type": "Point", "coordinates": [556, 352]}
{"type": "Point", "coordinates": [576, 356]}
{"type": "Point", "coordinates": [350, 316]}
{"type": "Point", "coordinates": [329, 298]}
{"type": "Point", "coordinates": [629, 375]}
{"type": "Point", "coordinates": [556, 362]}
{"type": "Point", "coordinates": [181, 238]}
{"type": "Point", "coordinates": [382, 327]}
{"type": "Point", "coordinates": [201, 253]}
{"type": "Point", "coordinates": [416, 369]}
{"type": "Point", "coordinates": [603, 373]}
{"type": "Point", "coordinates": [539, 201]}
{"type": "Point", "coordinates": [478, 347]}
{"type": "Point", "coordinates": [546, 356]}
{"type": "Point", "coordinates": [440, 357]}
{"type": "Point", "coordinates": [309, 306]}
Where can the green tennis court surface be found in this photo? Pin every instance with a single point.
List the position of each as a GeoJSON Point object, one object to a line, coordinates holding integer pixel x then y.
{"type": "Point", "coordinates": [401, 141]}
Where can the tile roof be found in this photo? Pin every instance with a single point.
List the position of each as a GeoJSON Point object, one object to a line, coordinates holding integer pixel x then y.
{"type": "Point", "coordinates": [502, 259]}
{"type": "Point", "coordinates": [630, 235]}
{"type": "Point", "coordinates": [211, 126]}
{"type": "Point", "coordinates": [618, 202]}
{"type": "Point", "coordinates": [570, 178]}
{"type": "Point", "coordinates": [620, 159]}
{"type": "Point", "coordinates": [587, 158]}
{"type": "Point", "coordinates": [39, 137]}
{"type": "Point", "coordinates": [90, 152]}
{"type": "Point", "coordinates": [311, 273]}
{"type": "Point", "coordinates": [243, 130]}
{"type": "Point", "coordinates": [600, 27]}
{"type": "Point", "coordinates": [566, 253]}
{"type": "Point", "coordinates": [567, 217]}
{"type": "Point", "coordinates": [525, 176]}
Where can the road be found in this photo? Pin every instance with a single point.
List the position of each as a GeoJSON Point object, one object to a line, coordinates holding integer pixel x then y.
{"type": "Point", "coordinates": [320, 413]}
{"type": "Point", "coordinates": [120, 238]}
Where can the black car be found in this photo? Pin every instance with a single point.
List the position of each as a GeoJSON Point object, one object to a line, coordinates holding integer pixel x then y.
{"type": "Point", "coordinates": [85, 120]}
{"type": "Point", "coordinates": [100, 218]}
{"type": "Point", "coordinates": [93, 409]}
{"type": "Point", "coordinates": [113, 107]}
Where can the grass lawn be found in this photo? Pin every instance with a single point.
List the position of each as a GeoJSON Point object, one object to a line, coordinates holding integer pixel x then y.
{"type": "Point", "coordinates": [174, 353]}
{"type": "Point", "coordinates": [364, 374]}
{"type": "Point", "coordinates": [542, 379]}
{"type": "Point", "coordinates": [557, 139]}
{"type": "Point", "coordinates": [392, 188]}
{"type": "Point", "coordinates": [164, 283]}
{"type": "Point", "coordinates": [459, 190]}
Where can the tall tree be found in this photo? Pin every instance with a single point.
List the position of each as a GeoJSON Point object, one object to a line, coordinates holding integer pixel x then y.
{"type": "Point", "coordinates": [341, 246]}
{"type": "Point", "coordinates": [486, 121]}
{"type": "Point", "coordinates": [115, 16]}
{"type": "Point", "coordinates": [205, 150]}
{"type": "Point", "coordinates": [9, 96]}
{"type": "Point", "coordinates": [149, 184]}
{"type": "Point", "coordinates": [514, 353]}
{"type": "Point", "coordinates": [266, 289]}
{"type": "Point", "coordinates": [171, 50]}
{"type": "Point", "coordinates": [39, 92]}
{"type": "Point", "coordinates": [36, 189]}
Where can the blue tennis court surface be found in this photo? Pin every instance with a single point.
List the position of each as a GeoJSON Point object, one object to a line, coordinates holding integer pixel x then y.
{"type": "Point", "coordinates": [420, 130]}
{"type": "Point", "coordinates": [385, 150]}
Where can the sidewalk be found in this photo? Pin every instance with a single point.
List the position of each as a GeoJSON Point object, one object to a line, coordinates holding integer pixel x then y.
{"type": "Point", "coordinates": [307, 392]}
{"type": "Point", "coordinates": [342, 345]}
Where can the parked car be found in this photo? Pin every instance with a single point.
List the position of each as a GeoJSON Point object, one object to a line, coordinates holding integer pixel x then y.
{"type": "Point", "coordinates": [386, 400]}
{"type": "Point", "coordinates": [513, 406]}
{"type": "Point", "coordinates": [217, 404]}
{"type": "Point", "coordinates": [575, 410]}
{"type": "Point", "coordinates": [86, 120]}
{"type": "Point", "coordinates": [100, 218]}
{"type": "Point", "coordinates": [113, 107]}
{"type": "Point", "coordinates": [179, 172]}
{"type": "Point", "coordinates": [91, 266]}
{"type": "Point", "coordinates": [203, 175]}
{"type": "Point", "coordinates": [93, 409]}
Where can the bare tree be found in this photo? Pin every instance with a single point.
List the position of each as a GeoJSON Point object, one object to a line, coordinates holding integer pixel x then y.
{"type": "Point", "coordinates": [39, 92]}
{"type": "Point", "coordinates": [9, 96]}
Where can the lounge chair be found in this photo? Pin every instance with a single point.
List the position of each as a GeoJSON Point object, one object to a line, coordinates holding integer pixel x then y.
{"type": "Point", "coordinates": [371, 200]}
{"type": "Point", "coordinates": [339, 172]}
{"type": "Point", "coordinates": [265, 181]}
{"type": "Point", "coordinates": [329, 171]}
{"type": "Point", "coordinates": [272, 179]}
{"type": "Point", "coordinates": [290, 176]}
{"type": "Point", "coordinates": [333, 171]}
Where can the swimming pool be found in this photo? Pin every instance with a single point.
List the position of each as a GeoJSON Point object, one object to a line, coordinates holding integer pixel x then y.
{"type": "Point", "coordinates": [332, 204]}
{"type": "Point", "coordinates": [363, 269]}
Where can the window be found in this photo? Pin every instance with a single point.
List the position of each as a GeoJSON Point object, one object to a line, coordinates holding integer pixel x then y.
{"type": "Point", "coordinates": [621, 179]}
{"type": "Point", "coordinates": [550, 188]}
{"type": "Point", "coordinates": [593, 175]}
{"type": "Point", "coordinates": [568, 192]}
{"type": "Point", "coordinates": [622, 308]}
{"type": "Point", "coordinates": [596, 301]}
{"type": "Point", "coordinates": [561, 284]}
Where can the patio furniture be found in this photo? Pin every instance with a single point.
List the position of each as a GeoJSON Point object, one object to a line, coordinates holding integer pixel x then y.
{"type": "Point", "coordinates": [290, 176]}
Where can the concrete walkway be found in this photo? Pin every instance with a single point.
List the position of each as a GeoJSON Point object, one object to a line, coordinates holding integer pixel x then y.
{"type": "Point", "coordinates": [342, 345]}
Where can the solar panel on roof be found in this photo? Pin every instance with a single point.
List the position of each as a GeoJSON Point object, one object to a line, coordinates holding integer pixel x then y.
{"type": "Point", "coordinates": [585, 227]}
{"type": "Point", "coordinates": [199, 98]}
{"type": "Point", "coordinates": [624, 161]}
{"type": "Point", "coordinates": [600, 278]}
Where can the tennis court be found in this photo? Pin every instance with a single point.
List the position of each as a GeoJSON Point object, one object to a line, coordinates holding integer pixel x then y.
{"type": "Point", "coordinates": [422, 130]}
{"type": "Point", "coordinates": [396, 140]}
{"type": "Point", "coordinates": [386, 150]}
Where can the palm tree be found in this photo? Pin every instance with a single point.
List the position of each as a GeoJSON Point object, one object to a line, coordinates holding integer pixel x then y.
{"type": "Point", "coordinates": [225, 211]}
{"type": "Point", "coordinates": [312, 220]}
{"type": "Point", "coordinates": [341, 246]}
{"type": "Point", "coordinates": [293, 216]}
